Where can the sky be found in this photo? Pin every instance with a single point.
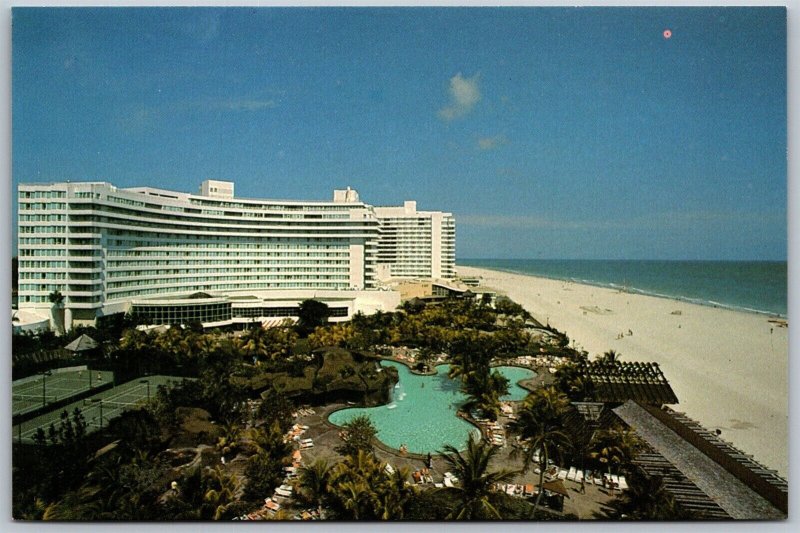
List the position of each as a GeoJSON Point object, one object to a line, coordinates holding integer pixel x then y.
{"type": "Point", "coordinates": [549, 133]}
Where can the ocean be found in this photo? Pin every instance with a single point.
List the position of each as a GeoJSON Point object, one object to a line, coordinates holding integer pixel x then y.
{"type": "Point", "coordinates": [753, 286]}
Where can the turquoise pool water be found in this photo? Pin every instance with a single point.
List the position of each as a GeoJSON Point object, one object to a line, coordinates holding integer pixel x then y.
{"type": "Point", "coordinates": [422, 413]}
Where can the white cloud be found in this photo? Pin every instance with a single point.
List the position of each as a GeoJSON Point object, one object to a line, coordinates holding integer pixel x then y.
{"type": "Point", "coordinates": [490, 143]}
{"type": "Point", "coordinates": [247, 105]}
{"type": "Point", "coordinates": [464, 94]}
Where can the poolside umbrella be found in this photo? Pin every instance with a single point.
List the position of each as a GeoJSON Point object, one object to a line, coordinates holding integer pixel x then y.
{"type": "Point", "coordinates": [556, 486]}
{"type": "Point", "coordinates": [81, 344]}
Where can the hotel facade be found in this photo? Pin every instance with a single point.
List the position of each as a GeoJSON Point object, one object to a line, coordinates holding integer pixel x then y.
{"type": "Point", "coordinates": [416, 244]}
{"type": "Point", "coordinates": [178, 257]}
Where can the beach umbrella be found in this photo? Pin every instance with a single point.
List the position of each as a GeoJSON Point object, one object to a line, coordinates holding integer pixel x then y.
{"type": "Point", "coordinates": [81, 344]}
{"type": "Point", "coordinates": [556, 486]}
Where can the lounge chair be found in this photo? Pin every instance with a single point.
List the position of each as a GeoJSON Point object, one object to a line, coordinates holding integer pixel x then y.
{"type": "Point", "coordinates": [579, 476]}
{"type": "Point", "coordinates": [562, 474]}
{"type": "Point", "coordinates": [623, 484]}
{"type": "Point", "coordinates": [389, 469]}
{"type": "Point", "coordinates": [448, 482]}
{"type": "Point", "coordinates": [283, 492]}
{"type": "Point", "coordinates": [272, 505]}
{"type": "Point", "coordinates": [571, 474]}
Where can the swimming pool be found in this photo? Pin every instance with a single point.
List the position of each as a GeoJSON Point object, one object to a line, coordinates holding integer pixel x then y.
{"type": "Point", "coordinates": [422, 412]}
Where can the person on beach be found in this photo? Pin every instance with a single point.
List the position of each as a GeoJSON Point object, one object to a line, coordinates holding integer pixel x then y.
{"type": "Point", "coordinates": [583, 486]}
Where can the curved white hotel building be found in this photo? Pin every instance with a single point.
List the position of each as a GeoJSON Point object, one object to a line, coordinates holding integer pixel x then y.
{"type": "Point", "coordinates": [212, 257]}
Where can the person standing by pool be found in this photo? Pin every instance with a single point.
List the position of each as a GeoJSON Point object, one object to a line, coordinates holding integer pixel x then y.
{"type": "Point", "coordinates": [430, 460]}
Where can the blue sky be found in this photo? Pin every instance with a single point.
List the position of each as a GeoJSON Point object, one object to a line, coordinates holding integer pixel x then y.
{"type": "Point", "coordinates": [552, 133]}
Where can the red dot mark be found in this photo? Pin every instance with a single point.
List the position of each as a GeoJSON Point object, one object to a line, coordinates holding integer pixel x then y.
{"type": "Point", "coordinates": [667, 34]}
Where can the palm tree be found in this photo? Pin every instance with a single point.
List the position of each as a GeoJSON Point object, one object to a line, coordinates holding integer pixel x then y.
{"type": "Point", "coordinates": [538, 424]}
{"type": "Point", "coordinates": [189, 500]}
{"type": "Point", "coordinates": [57, 299]}
{"type": "Point", "coordinates": [545, 405]}
{"type": "Point", "coordinates": [229, 440]}
{"type": "Point", "coordinates": [648, 499]}
{"type": "Point", "coordinates": [80, 504]}
{"type": "Point", "coordinates": [314, 480]}
{"type": "Point", "coordinates": [255, 343]}
{"type": "Point", "coordinates": [615, 446]}
{"type": "Point", "coordinates": [353, 483]}
{"type": "Point", "coordinates": [355, 498]}
{"type": "Point", "coordinates": [484, 390]}
{"type": "Point", "coordinates": [550, 443]}
{"type": "Point", "coordinates": [471, 467]}
{"type": "Point", "coordinates": [610, 357]}
{"type": "Point", "coordinates": [395, 493]}
{"type": "Point", "coordinates": [224, 492]}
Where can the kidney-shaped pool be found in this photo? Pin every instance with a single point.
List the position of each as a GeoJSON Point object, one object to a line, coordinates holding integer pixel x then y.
{"type": "Point", "coordinates": [422, 412]}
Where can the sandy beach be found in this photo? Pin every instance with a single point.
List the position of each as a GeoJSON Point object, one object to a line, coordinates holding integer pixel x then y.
{"type": "Point", "coordinates": [729, 369]}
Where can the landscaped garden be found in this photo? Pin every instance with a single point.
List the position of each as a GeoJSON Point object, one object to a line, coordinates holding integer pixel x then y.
{"type": "Point", "coordinates": [248, 436]}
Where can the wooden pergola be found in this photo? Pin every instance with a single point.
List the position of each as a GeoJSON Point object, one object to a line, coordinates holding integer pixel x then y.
{"type": "Point", "coordinates": [619, 381]}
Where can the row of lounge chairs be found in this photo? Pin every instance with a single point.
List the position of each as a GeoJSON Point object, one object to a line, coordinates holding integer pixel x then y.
{"type": "Point", "coordinates": [540, 360]}
{"type": "Point", "coordinates": [449, 479]}
{"type": "Point", "coordinates": [273, 504]}
{"type": "Point", "coordinates": [512, 489]}
{"type": "Point", "coordinates": [493, 432]}
{"type": "Point", "coordinates": [421, 476]}
{"type": "Point", "coordinates": [295, 433]}
{"type": "Point", "coordinates": [304, 411]}
{"type": "Point", "coordinates": [577, 475]}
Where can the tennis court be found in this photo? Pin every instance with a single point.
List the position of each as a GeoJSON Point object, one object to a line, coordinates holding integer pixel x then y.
{"type": "Point", "coordinates": [100, 408]}
{"type": "Point", "coordinates": [34, 392]}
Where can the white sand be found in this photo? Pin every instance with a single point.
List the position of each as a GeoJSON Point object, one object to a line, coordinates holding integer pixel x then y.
{"type": "Point", "coordinates": [729, 369]}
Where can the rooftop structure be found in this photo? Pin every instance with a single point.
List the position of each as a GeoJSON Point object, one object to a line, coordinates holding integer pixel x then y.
{"type": "Point", "coordinates": [620, 381]}
{"type": "Point", "coordinates": [110, 250]}
{"type": "Point", "coordinates": [696, 480]}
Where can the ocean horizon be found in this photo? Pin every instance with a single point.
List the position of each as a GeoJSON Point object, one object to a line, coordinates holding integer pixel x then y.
{"type": "Point", "coordinates": [750, 286]}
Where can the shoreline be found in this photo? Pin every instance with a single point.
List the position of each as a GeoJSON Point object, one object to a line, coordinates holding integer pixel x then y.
{"type": "Point", "coordinates": [728, 368]}
{"type": "Point", "coordinates": [637, 291]}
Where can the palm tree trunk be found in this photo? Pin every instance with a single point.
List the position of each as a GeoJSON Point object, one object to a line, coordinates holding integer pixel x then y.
{"type": "Point", "coordinates": [542, 466]}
